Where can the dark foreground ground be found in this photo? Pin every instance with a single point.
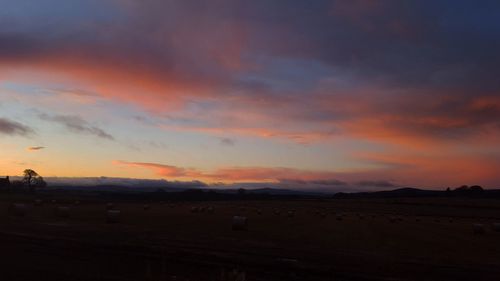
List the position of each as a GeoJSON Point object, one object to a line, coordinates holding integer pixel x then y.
{"type": "Point", "coordinates": [428, 239]}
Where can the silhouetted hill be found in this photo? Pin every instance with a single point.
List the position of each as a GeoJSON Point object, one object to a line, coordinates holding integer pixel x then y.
{"type": "Point", "coordinates": [415, 192]}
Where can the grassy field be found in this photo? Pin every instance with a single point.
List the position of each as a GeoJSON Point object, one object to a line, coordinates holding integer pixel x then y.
{"type": "Point", "coordinates": [371, 239]}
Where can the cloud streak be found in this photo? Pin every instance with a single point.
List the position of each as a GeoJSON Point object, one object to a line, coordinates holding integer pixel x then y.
{"type": "Point", "coordinates": [14, 128]}
{"type": "Point", "coordinates": [77, 124]}
{"type": "Point", "coordinates": [35, 148]}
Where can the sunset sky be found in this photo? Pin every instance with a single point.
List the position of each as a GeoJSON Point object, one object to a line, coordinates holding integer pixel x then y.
{"type": "Point", "coordinates": [358, 92]}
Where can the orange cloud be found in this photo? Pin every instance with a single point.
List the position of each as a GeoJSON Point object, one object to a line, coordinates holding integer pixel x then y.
{"type": "Point", "coordinates": [235, 174]}
{"type": "Point", "coordinates": [431, 170]}
{"type": "Point", "coordinates": [35, 148]}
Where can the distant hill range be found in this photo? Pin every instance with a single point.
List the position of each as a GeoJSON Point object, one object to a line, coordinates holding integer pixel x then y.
{"type": "Point", "coordinates": [408, 192]}
{"type": "Point", "coordinates": [206, 193]}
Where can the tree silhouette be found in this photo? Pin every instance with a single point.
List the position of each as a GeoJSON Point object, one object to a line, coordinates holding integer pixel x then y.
{"type": "Point", "coordinates": [33, 180]}
{"type": "Point", "coordinates": [242, 192]}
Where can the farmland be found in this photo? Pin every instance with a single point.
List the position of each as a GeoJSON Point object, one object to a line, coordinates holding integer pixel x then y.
{"type": "Point", "coordinates": [328, 239]}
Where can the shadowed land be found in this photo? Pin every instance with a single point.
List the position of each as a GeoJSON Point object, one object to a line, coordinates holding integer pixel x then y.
{"type": "Point", "coordinates": [288, 239]}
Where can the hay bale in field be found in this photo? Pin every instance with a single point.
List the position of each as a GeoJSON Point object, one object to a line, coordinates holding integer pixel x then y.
{"type": "Point", "coordinates": [146, 207]}
{"type": "Point", "coordinates": [478, 228]}
{"type": "Point", "coordinates": [77, 202]}
{"type": "Point", "coordinates": [109, 206]}
{"type": "Point", "coordinates": [210, 210]}
{"type": "Point", "coordinates": [17, 209]}
{"type": "Point", "coordinates": [259, 212]}
{"type": "Point", "coordinates": [417, 219]}
{"type": "Point", "coordinates": [496, 226]}
{"type": "Point", "coordinates": [38, 202]}
{"type": "Point", "coordinates": [393, 219]}
{"type": "Point", "coordinates": [322, 215]}
{"type": "Point", "coordinates": [361, 216]}
{"type": "Point", "coordinates": [239, 223]}
{"type": "Point", "coordinates": [113, 216]}
{"type": "Point", "coordinates": [62, 211]}
{"type": "Point", "coordinates": [195, 209]}
{"type": "Point", "coordinates": [291, 214]}
{"type": "Point", "coordinates": [232, 275]}
{"type": "Point", "coordinates": [339, 217]}
{"type": "Point", "coordinates": [276, 212]}
{"type": "Point", "coordinates": [53, 201]}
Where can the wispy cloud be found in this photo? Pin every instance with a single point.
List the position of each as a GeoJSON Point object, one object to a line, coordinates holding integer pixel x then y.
{"type": "Point", "coordinates": [376, 183]}
{"type": "Point", "coordinates": [259, 177]}
{"type": "Point", "coordinates": [236, 174]}
{"type": "Point", "coordinates": [12, 128]}
{"type": "Point", "coordinates": [227, 141]}
{"type": "Point", "coordinates": [35, 148]}
{"type": "Point", "coordinates": [77, 124]}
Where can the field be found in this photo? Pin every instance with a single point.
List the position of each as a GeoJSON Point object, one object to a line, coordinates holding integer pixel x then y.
{"type": "Point", "coordinates": [369, 239]}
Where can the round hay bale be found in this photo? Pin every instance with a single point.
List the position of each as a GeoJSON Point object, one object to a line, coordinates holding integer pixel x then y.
{"type": "Point", "coordinates": [146, 207]}
{"type": "Point", "coordinates": [195, 209]}
{"type": "Point", "coordinates": [393, 219]}
{"type": "Point", "coordinates": [109, 206]}
{"type": "Point", "coordinates": [53, 201]}
{"type": "Point", "coordinates": [277, 212]}
{"type": "Point", "coordinates": [478, 228]}
{"type": "Point", "coordinates": [240, 223]}
{"type": "Point", "coordinates": [17, 209]}
{"type": "Point", "coordinates": [77, 202]}
{"type": "Point", "coordinates": [210, 210]}
{"type": "Point", "coordinates": [38, 202]}
{"type": "Point", "coordinates": [113, 216]}
{"type": "Point", "coordinates": [62, 211]}
{"type": "Point", "coordinates": [322, 215]}
{"type": "Point", "coordinates": [291, 214]}
{"type": "Point", "coordinates": [496, 226]}
{"type": "Point", "coordinates": [339, 217]}
{"type": "Point", "coordinates": [259, 212]}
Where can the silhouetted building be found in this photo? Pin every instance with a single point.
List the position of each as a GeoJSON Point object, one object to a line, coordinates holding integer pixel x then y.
{"type": "Point", "coordinates": [5, 183]}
